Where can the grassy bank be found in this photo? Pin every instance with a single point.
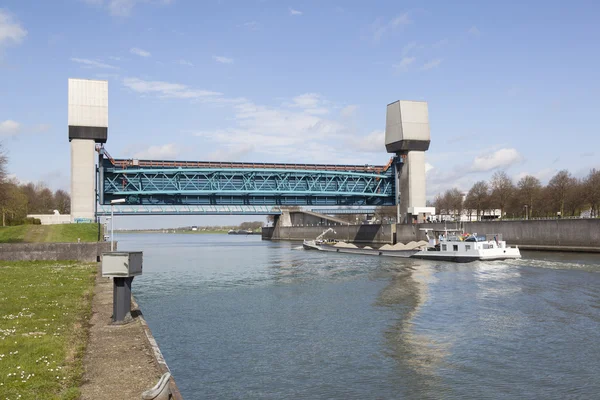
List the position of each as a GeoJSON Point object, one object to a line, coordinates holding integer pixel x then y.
{"type": "Point", "coordinates": [49, 233]}
{"type": "Point", "coordinates": [44, 311]}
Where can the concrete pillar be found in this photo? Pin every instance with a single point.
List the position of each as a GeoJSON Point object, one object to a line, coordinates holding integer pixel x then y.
{"type": "Point", "coordinates": [88, 125]}
{"type": "Point", "coordinates": [83, 183]}
{"type": "Point", "coordinates": [407, 135]}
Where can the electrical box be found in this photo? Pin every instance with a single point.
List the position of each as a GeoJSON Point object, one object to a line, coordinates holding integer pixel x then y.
{"type": "Point", "coordinates": [122, 264]}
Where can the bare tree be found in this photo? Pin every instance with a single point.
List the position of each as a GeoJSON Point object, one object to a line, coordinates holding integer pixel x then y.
{"type": "Point", "coordinates": [62, 201]}
{"type": "Point", "coordinates": [502, 190]}
{"type": "Point", "coordinates": [592, 190]}
{"type": "Point", "coordinates": [386, 214]}
{"type": "Point", "coordinates": [558, 187]}
{"type": "Point", "coordinates": [529, 190]}
{"type": "Point", "coordinates": [478, 197]}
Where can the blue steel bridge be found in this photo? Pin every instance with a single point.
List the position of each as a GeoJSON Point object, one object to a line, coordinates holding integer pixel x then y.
{"type": "Point", "coordinates": [156, 187]}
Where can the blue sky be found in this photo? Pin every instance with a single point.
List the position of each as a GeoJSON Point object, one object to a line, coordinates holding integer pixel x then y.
{"type": "Point", "coordinates": [511, 85]}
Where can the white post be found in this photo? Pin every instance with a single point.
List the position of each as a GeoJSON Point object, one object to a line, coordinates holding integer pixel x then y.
{"type": "Point", "coordinates": [112, 218]}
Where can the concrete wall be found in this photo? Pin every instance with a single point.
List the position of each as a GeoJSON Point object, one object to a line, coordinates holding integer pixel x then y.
{"type": "Point", "coordinates": [562, 234]}
{"type": "Point", "coordinates": [51, 219]}
{"type": "Point", "coordinates": [377, 234]}
{"type": "Point", "coordinates": [558, 233]}
{"type": "Point", "coordinates": [88, 252]}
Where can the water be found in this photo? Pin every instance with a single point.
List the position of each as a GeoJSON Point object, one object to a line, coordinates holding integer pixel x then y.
{"type": "Point", "coordinates": [240, 318]}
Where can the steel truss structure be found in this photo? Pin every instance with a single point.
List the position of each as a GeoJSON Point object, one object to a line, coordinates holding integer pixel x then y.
{"type": "Point", "coordinates": [154, 186]}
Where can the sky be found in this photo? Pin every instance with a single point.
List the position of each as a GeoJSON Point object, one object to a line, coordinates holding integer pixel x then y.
{"type": "Point", "coordinates": [510, 85]}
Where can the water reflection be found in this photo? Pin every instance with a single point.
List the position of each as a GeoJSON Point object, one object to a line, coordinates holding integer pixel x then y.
{"type": "Point", "coordinates": [418, 354]}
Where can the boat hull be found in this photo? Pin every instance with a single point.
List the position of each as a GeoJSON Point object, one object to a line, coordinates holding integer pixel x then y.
{"type": "Point", "coordinates": [510, 254]}
{"type": "Point", "coordinates": [309, 245]}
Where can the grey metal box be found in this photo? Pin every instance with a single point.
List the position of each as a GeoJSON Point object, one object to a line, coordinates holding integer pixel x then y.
{"type": "Point", "coordinates": [122, 264]}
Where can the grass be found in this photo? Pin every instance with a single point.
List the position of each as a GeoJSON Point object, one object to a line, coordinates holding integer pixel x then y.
{"type": "Point", "coordinates": [49, 233]}
{"type": "Point", "coordinates": [45, 309]}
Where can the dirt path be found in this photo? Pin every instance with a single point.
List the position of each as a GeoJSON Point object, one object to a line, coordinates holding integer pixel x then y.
{"type": "Point", "coordinates": [35, 234]}
{"type": "Point", "coordinates": [119, 362]}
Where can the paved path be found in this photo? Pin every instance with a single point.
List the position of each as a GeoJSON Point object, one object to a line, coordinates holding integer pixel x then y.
{"type": "Point", "coordinates": [119, 362]}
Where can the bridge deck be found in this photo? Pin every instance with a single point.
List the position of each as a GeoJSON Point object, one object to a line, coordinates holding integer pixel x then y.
{"type": "Point", "coordinates": [126, 163]}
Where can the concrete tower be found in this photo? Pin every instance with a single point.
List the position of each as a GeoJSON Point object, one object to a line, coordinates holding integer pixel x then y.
{"type": "Point", "coordinates": [88, 125]}
{"type": "Point", "coordinates": [407, 135]}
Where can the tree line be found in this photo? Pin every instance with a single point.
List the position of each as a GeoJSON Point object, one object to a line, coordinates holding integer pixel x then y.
{"type": "Point", "coordinates": [564, 195]}
{"type": "Point", "coordinates": [17, 200]}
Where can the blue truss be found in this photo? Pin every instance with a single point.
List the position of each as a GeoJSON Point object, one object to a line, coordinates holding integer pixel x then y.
{"type": "Point", "coordinates": [219, 186]}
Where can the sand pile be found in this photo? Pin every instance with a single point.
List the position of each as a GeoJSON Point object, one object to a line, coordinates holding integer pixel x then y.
{"type": "Point", "coordinates": [345, 245]}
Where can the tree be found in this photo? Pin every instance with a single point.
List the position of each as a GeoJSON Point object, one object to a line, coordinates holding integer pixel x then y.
{"type": "Point", "coordinates": [13, 205]}
{"type": "Point", "coordinates": [478, 197]}
{"type": "Point", "coordinates": [254, 225]}
{"type": "Point", "coordinates": [576, 198]}
{"type": "Point", "coordinates": [502, 191]}
{"type": "Point", "coordinates": [46, 200]}
{"type": "Point", "coordinates": [592, 189]}
{"type": "Point", "coordinates": [62, 201]}
{"type": "Point", "coordinates": [558, 187]}
{"type": "Point", "coordinates": [454, 202]}
{"type": "Point", "coordinates": [529, 190]}
{"type": "Point", "coordinates": [386, 214]}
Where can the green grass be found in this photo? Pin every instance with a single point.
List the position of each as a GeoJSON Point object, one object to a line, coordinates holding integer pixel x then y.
{"type": "Point", "coordinates": [45, 309]}
{"type": "Point", "coordinates": [13, 234]}
{"type": "Point", "coordinates": [49, 233]}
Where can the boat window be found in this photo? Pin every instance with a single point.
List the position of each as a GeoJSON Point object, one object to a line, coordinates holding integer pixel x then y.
{"type": "Point", "coordinates": [467, 247]}
{"type": "Point", "coordinates": [444, 247]}
{"type": "Point", "coordinates": [455, 247]}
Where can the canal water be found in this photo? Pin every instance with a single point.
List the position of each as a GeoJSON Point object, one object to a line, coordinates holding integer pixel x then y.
{"type": "Point", "coordinates": [241, 318]}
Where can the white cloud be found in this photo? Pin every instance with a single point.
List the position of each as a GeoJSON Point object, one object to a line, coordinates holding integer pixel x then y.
{"type": "Point", "coordinates": [381, 27]}
{"type": "Point", "coordinates": [374, 142]}
{"type": "Point", "coordinates": [428, 167]}
{"type": "Point", "coordinates": [306, 100]}
{"type": "Point", "coordinates": [223, 60]}
{"type": "Point", "coordinates": [474, 31]}
{"type": "Point", "coordinates": [432, 64]}
{"type": "Point", "coordinates": [284, 133]}
{"type": "Point", "coordinates": [139, 52]}
{"type": "Point", "coordinates": [123, 8]}
{"type": "Point", "coordinates": [404, 63]}
{"type": "Point", "coordinates": [11, 31]}
{"type": "Point", "coordinates": [295, 12]}
{"type": "Point", "coordinates": [231, 152]}
{"type": "Point", "coordinates": [167, 89]}
{"type": "Point", "coordinates": [166, 151]}
{"type": "Point", "coordinates": [9, 128]}
{"type": "Point", "coordinates": [349, 110]}
{"type": "Point", "coordinates": [92, 63]}
{"type": "Point", "coordinates": [502, 158]}
{"type": "Point", "coordinates": [185, 62]}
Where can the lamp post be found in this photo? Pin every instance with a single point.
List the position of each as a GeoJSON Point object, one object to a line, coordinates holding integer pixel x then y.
{"type": "Point", "coordinates": [112, 220]}
{"type": "Point", "coordinates": [526, 212]}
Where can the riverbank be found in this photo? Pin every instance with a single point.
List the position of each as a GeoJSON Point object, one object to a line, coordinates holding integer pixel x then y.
{"type": "Point", "coordinates": [116, 352]}
{"type": "Point", "coordinates": [64, 233]}
{"type": "Point", "coordinates": [43, 328]}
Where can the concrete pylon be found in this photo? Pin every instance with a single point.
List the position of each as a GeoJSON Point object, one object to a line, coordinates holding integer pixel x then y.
{"type": "Point", "coordinates": [88, 125]}
{"type": "Point", "coordinates": [407, 135]}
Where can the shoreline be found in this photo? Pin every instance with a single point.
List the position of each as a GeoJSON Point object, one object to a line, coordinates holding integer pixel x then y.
{"type": "Point", "coordinates": [117, 351]}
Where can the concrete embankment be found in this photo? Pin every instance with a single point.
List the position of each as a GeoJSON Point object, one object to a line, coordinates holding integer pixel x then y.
{"type": "Point", "coordinates": [87, 252]}
{"type": "Point", "coordinates": [375, 234]}
{"type": "Point", "coordinates": [121, 361]}
{"type": "Point", "coordinates": [557, 235]}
